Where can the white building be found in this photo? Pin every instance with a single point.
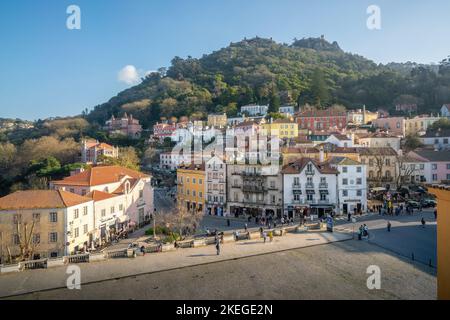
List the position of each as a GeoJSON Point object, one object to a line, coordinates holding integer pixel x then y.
{"type": "Point", "coordinates": [340, 140]}
{"type": "Point", "coordinates": [255, 110]}
{"type": "Point", "coordinates": [309, 186]}
{"type": "Point", "coordinates": [439, 139]}
{"type": "Point", "coordinates": [287, 110]}
{"type": "Point", "coordinates": [172, 160]}
{"type": "Point", "coordinates": [134, 186]}
{"type": "Point", "coordinates": [445, 111]}
{"type": "Point", "coordinates": [216, 186]}
{"type": "Point", "coordinates": [352, 185]}
{"type": "Point", "coordinates": [379, 140]}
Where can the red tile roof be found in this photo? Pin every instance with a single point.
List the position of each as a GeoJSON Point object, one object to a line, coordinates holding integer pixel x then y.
{"type": "Point", "coordinates": [100, 175]}
{"type": "Point", "coordinates": [41, 199]}
{"type": "Point", "coordinates": [100, 195]}
{"type": "Point", "coordinates": [298, 166]}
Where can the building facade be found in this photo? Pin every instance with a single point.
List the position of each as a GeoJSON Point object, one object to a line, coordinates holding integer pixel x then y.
{"type": "Point", "coordinates": [126, 125]}
{"type": "Point", "coordinates": [59, 223]}
{"type": "Point", "coordinates": [216, 186]}
{"type": "Point", "coordinates": [217, 120]}
{"type": "Point", "coordinates": [352, 185]}
{"type": "Point", "coordinates": [381, 166]}
{"type": "Point", "coordinates": [309, 187]}
{"type": "Point", "coordinates": [318, 120]}
{"type": "Point", "coordinates": [254, 190]}
{"type": "Point", "coordinates": [134, 186]}
{"type": "Point", "coordinates": [92, 151]}
{"type": "Point", "coordinates": [191, 187]}
{"type": "Point", "coordinates": [419, 125]}
{"type": "Point", "coordinates": [393, 125]}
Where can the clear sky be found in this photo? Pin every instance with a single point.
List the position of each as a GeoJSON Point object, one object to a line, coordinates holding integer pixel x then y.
{"type": "Point", "coordinates": [47, 70]}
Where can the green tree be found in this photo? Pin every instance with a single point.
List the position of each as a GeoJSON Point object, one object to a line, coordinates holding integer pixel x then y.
{"type": "Point", "coordinates": [319, 89]}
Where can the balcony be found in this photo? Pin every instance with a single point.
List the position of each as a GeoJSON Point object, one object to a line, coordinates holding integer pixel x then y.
{"type": "Point", "coordinates": [247, 188]}
{"type": "Point", "coordinates": [326, 201]}
{"type": "Point", "coordinates": [296, 186]}
{"type": "Point", "coordinates": [323, 185]}
{"type": "Point", "coordinates": [309, 185]}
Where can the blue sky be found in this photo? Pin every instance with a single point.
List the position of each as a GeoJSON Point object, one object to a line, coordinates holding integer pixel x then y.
{"type": "Point", "coordinates": [48, 70]}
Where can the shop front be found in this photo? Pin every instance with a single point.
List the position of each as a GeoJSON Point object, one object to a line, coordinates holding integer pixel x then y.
{"type": "Point", "coordinates": [321, 210]}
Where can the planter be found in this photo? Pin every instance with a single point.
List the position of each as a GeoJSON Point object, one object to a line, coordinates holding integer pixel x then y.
{"type": "Point", "coordinates": [78, 258]}
{"type": "Point", "coordinates": [185, 244]}
{"type": "Point", "coordinates": [58, 262]}
{"type": "Point", "coordinates": [254, 235]}
{"type": "Point", "coordinates": [199, 243]}
{"type": "Point", "coordinates": [168, 247]}
{"type": "Point", "coordinates": [228, 238]}
{"type": "Point", "coordinates": [97, 257]}
{"type": "Point", "coordinates": [10, 268]}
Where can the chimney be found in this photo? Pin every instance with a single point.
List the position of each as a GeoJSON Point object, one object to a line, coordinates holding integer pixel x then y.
{"type": "Point", "coordinates": [364, 114]}
{"type": "Point", "coordinates": [321, 155]}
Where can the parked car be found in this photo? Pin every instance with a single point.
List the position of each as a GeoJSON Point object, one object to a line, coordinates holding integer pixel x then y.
{"type": "Point", "coordinates": [429, 203]}
{"type": "Point", "coordinates": [413, 204]}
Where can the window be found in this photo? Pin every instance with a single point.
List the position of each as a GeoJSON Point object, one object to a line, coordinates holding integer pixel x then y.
{"type": "Point", "coordinates": [200, 194]}
{"type": "Point", "coordinates": [345, 181]}
{"type": "Point", "coordinates": [85, 211]}
{"type": "Point", "coordinates": [53, 217]}
{"type": "Point", "coordinates": [434, 166]}
{"type": "Point", "coordinates": [323, 197]}
{"type": "Point", "coordinates": [120, 207]}
{"type": "Point", "coordinates": [388, 162]}
{"type": "Point", "coordinates": [359, 169]}
{"type": "Point", "coordinates": [76, 233]}
{"type": "Point", "coordinates": [422, 166]}
{"type": "Point", "coordinates": [448, 166]}
{"type": "Point", "coordinates": [358, 180]}
{"type": "Point", "coordinates": [193, 180]}
{"type": "Point", "coordinates": [112, 209]}
{"type": "Point", "coordinates": [309, 197]}
{"type": "Point", "coordinates": [272, 184]}
{"type": "Point", "coordinates": [36, 238]}
{"type": "Point", "coordinates": [296, 181]}
{"type": "Point", "coordinates": [344, 169]}
{"type": "Point", "coordinates": [103, 212]}
{"type": "Point", "coordinates": [83, 192]}
{"type": "Point", "coordinates": [85, 229]}
{"type": "Point", "coordinates": [446, 141]}
{"type": "Point", "coordinates": [296, 197]}
{"type": "Point", "coordinates": [434, 177]}
{"type": "Point", "coordinates": [76, 214]}
{"type": "Point", "coordinates": [16, 239]}
{"type": "Point", "coordinates": [72, 190]}
{"type": "Point", "coordinates": [17, 218]}
{"type": "Point", "coordinates": [194, 193]}
{"type": "Point", "coordinates": [221, 199]}
{"type": "Point", "coordinates": [36, 217]}
{"type": "Point", "coordinates": [236, 196]}
{"type": "Point", "coordinates": [200, 181]}
{"type": "Point", "coordinates": [359, 193]}
{"type": "Point", "coordinates": [53, 237]}
{"type": "Point", "coordinates": [141, 194]}
{"type": "Point", "coordinates": [273, 199]}
{"type": "Point", "coordinates": [448, 176]}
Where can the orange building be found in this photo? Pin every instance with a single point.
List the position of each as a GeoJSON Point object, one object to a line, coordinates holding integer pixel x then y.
{"type": "Point", "coordinates": [443, 239]}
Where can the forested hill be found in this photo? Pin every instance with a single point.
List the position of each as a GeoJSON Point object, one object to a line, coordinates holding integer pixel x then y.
{"type": "Point", "coordinates": [259, 70]}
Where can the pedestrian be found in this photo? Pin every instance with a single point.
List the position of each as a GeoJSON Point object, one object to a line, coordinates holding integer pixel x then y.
{"type": "Point", "coordinates": [143, 250]}
{"type": "Point", "coordinates": [228, 222]}
{"type": "Point", "coordinates": [389, 226]}
{"type": "Point", "coordinates": [275, 224]}
{"type": "Point", "coordinates": [349, 217]}
{"type": "Point", "coordinates": [366, 231]}
{"type": "Point", "coordinates": [265, 237]}
{"type": "Point", "coordinates": [245, 227]}
{"type": "Point", "coordinates": [271, 236]}
{"type": "Point", "coordinates": [360, 232]}
{"type": "Point", "coordinates": [218, 247]}
{"type": "Point", "coordinates": [423, 222]}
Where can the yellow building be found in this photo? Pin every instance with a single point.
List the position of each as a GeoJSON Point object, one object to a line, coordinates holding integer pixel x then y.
{"type": "Point", "coordinates": [443, 239]}
{"type": "Point", "coordinates": [217, 120]}
{"type": "Point", "coordinates": [419, 125]}
{"type": "Point", "coordinates": [283, 128]}
{"type": "Point", "coordinates": [191, 186]}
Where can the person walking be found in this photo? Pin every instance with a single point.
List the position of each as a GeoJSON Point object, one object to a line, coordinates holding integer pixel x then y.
{"type": "Point", "coordinates": [389, 226]}
{"type": "Point", "coordinates": [265, 237]}
{"type": "Point", "coordinates": [423, 222]}
{"type": "Point", "coordinates": [228, 222]}
{"type": "Point", "coordinates": [218, 246]}
{"type": "Point", "coordinates": [271, 236]}
{"type": "Point", "coordinates": [246, 227]}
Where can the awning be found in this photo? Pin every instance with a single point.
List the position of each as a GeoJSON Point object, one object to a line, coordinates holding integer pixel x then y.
{"type": "Point", "coordinates": [310, 192]}
{"type": "Point", "coordinates": [122, 219]}
{"type": "Point", "coordinates": [297, 191]}
{"type": "Point", "coordinates": [323, 191]}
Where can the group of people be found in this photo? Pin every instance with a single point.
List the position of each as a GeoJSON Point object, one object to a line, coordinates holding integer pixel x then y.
{"type": "Point", "coordinates": [363, 231]}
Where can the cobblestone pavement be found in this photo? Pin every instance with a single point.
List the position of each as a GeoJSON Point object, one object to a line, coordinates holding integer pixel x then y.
{"type": "Point", "coordinates": [330, 271]}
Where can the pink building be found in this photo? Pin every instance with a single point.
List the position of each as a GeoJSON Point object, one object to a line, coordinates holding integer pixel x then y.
{"type": "Point", "coordinates": [164, 130]}
{"type": "Point", "coordinates": [92, 150]}
{"type": "Point", "coordinates": [437, 164]}
{"type": "Point", "coordinates": [126, 125]}
{"type": "Point", "coordinates": [394, 125]}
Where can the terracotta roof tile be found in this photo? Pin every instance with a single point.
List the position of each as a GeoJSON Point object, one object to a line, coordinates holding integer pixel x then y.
{"type": "Point", "coordinates": [41, 199]}
{"type": "Point", "coordinates": [100, 175]}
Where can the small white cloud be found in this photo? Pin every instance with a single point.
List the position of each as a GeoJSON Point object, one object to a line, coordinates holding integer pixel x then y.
{"type": "Point", "coordinates": [129, 75]}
